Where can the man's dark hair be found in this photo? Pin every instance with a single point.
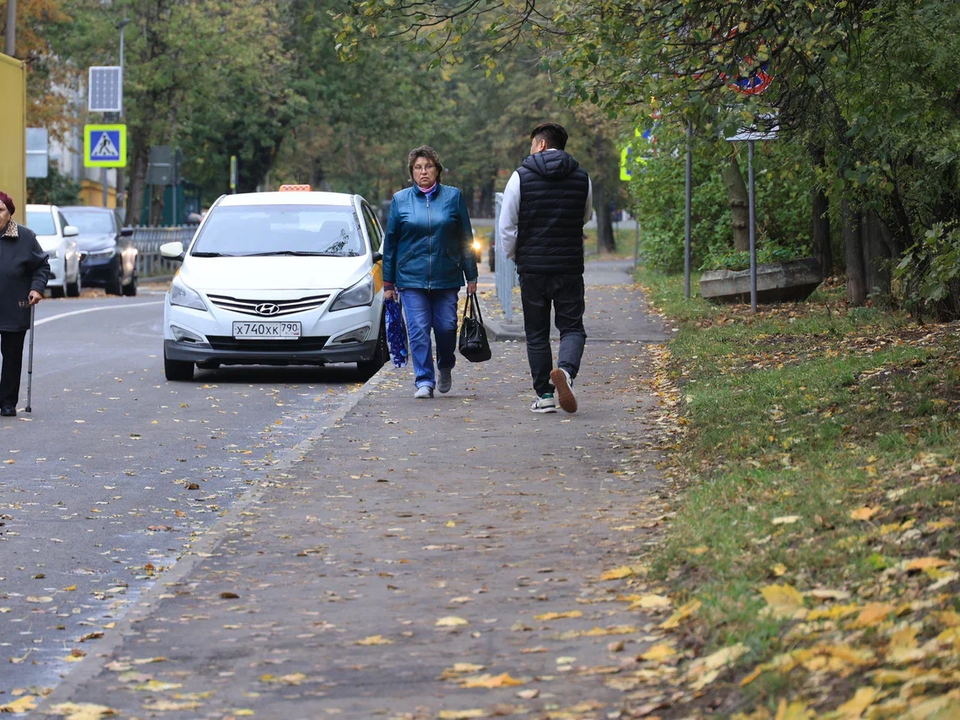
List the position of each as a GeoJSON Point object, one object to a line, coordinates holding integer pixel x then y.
{"type": "Point", "coordinates": [554, 135]}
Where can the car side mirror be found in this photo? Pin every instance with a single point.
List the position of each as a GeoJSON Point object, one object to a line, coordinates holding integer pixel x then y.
{"type": "Point", "coordinates": [172, 251]}
{"type": "Point", "coordinates": [377, 256]}
{"type": "Point", "coordinates": [126, 232]}
{"type": "Point", "coordinates": [70, 231]}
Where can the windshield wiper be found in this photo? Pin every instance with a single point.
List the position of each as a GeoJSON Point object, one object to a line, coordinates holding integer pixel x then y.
{"type": "Point", "coordinates": [201, 253]}
{"type": "Point", "coordinates": [298, 253]}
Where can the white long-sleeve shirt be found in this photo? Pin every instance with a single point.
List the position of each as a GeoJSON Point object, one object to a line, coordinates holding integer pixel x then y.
{"type": "Point", "coordinates": [510, 213]}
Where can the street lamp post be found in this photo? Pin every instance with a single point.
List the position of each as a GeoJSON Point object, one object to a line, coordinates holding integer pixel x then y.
{"type": "Point", "coordinates": [121, 172]}
{"type": "Point", "coordinates": [11, 28]}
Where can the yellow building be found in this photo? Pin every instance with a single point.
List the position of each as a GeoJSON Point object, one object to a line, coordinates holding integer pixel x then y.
{"type": "Point", "coordinates": [13, 119]}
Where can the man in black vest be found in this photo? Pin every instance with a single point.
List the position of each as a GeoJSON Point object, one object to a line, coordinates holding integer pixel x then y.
{"type": "Point", "coordinates": [545, 204]}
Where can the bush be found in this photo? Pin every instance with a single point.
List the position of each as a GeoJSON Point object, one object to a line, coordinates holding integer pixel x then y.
{"type": "Point", "coordinates": [784, 181]}
{"type": "Point", "coordinates": [929, 274]}
{"type": "Point", "coordinates": [55, 189]}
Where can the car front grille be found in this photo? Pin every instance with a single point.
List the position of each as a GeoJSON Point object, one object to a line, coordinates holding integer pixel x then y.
{"type": "Point", "coordinates": [303, 344]}
{"type": "Point", "coordinates": [285, 307]}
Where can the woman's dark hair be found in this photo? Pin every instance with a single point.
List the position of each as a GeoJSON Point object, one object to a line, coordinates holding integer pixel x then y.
{"type": "Point", "coordinates": [554, 135]}
{"type": "Point", "coordinates": [424, 151]}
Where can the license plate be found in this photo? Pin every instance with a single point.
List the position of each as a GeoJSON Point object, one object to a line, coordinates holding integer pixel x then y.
{"type": "Point", "coordinates": [266, 330]}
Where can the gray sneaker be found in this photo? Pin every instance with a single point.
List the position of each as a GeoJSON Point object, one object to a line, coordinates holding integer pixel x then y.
{"type": "Point", "coordinates": [424, 393]}
{"type": "Point", "coordinates": [446, 381]}
{"type": "Point", "coordinates": [544, 404]}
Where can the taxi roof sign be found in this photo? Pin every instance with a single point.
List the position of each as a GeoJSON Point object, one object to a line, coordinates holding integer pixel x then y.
{"type": "Point", "coordinates": [295, 188]}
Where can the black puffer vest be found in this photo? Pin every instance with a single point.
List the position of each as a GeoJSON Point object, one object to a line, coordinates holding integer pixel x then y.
{"type": "Point", "coordinates": [553, 197]}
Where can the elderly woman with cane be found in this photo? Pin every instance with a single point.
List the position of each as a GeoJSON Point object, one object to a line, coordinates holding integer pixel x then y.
{"type": "Point", "coordinates": [427, 256]}
{"type": "Point", "coordinates": [24, 272]}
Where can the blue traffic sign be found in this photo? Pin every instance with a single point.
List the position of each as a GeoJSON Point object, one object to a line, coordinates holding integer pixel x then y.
{"type": "Point", "coordinates": [105, 146]}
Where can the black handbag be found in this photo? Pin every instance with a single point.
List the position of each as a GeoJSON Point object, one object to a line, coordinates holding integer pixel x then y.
{"type": "Point", "coordinates": [473, 337]}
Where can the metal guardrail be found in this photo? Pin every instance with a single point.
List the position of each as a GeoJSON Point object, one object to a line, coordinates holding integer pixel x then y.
{"type": "Point", "coordinates": [148, 240]}
{"type": "Point", "coordinates": [505, 272]}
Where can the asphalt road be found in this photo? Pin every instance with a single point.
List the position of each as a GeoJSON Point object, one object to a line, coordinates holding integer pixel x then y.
{"type": "Point", "coordinates": [116, 470]}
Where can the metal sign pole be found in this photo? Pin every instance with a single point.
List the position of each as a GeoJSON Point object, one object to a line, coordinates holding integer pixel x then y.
{"type": "Point", "coordinates": [689, 198]}
{"type": "Point", "coordinates": [753, 230]}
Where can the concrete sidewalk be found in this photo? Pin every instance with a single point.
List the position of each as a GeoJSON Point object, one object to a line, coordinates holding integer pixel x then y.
{"type": "Point", "coordinates": [420, 559]}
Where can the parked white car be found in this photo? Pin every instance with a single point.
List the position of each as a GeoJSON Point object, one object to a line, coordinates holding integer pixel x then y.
{"type": "Point", "coordinates": [59, 241]}
{"type": "Point", "coordinates": [279, 278]}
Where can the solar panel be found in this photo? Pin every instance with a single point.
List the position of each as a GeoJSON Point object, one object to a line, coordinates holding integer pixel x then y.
{"type": "Point", "coordinates": [106, 89]}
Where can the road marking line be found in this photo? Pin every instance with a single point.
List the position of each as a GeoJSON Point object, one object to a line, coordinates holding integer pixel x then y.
{"type": "Point", "coordinates": [96, 309]}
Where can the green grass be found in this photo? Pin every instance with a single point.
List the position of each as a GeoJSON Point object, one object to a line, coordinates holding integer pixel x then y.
{"type": "Point", "coordinates": [803, 410]}
{"type": "Point", "coordinates": [624, 238]}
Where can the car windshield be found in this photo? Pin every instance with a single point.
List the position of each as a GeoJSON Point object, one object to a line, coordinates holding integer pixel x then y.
{"type": "Point", "coordinates": [280, 230]}
{"type": "Point", "coordinates": [90, 221]}
{"type": "Point", "coordinates": [41, 222]}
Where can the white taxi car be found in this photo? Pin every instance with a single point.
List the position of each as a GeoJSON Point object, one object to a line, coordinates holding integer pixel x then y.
{"type": "Point", "coordinates": [58, 239]}
{"type": "Point", "coordinates": [278, 278]}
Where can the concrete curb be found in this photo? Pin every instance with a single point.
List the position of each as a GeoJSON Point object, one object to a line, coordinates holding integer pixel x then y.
{"type": "Point", "coordinates": [497, 332]}
{"type": "Point", "coordinates": [149, 599]}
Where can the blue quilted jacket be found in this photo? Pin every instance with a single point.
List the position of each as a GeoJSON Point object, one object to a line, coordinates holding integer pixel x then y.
{"type": "Point", "coordinates": [429, 240]}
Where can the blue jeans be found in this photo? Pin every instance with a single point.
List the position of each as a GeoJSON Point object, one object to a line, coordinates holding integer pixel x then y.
{"type": "Point", "coordinates": [425, 310]}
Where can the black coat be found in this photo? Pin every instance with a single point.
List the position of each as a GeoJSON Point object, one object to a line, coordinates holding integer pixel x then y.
{"type": "Point", "coordinates": [23, 267]}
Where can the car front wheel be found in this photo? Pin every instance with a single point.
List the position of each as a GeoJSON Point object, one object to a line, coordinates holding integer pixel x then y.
{"type": "Point", "coordinates": [177, 370]}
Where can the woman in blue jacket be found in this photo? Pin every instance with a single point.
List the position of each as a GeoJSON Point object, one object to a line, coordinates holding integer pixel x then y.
{"type": "Point", "coordinates": [427, 256]}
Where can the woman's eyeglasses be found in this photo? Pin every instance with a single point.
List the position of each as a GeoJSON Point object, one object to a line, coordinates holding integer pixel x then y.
{"type": "Point", "coordinates": [423, 168]}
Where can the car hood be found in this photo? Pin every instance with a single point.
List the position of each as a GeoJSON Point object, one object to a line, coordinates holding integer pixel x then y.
{"type": "Point", "coordinates": [282, 274]}
{"type": "Point", "coordinates": [48, 242]}
{"type": "Point", "coordinates": [92, 242]}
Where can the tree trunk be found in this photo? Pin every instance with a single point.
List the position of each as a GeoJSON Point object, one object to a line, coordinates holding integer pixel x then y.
{"type": "Point", "coordinates": [739, 200]}
{"type": "Point", "coordinates": [138, 181]}
{"type": "Point", "coordinates": [853, 252]}
{"type": "Point", "coordinates": [822, 245]}
{"type": "Point", "coordinates": [876, 255]}
{"type": "Point", "coordinates": [605, 239]}
{"type": "Point", "coordinates": [487, 194]}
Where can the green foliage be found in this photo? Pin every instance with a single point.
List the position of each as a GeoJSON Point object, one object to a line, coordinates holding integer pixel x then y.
{"type": "Point", "coordinates": [55, 189]}
{"type": "Point", "coordinates": [783, 190]}
{"type": "Point", "coordinates": [930, 270]}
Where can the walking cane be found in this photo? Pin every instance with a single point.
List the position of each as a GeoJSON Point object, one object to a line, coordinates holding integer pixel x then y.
{"type": "Point", "coordinates": [33, 309]}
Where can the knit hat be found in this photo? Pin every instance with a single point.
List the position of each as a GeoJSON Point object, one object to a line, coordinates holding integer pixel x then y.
{"type": "Point", "coordinates": [8, 201]}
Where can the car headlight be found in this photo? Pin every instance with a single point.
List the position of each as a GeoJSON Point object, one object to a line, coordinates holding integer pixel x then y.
{"type": "Point", "coordinates": [356, 295]}
{"type": "Point", "coordinates": [104, 254]}
{"type": "Point", "coordinates": [184, 296]}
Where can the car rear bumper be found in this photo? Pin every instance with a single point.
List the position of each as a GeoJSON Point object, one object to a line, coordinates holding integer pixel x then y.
{"type": "Point", "coordinates": [306, 351]}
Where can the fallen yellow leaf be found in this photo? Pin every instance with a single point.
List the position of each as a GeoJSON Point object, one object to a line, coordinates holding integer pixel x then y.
{"type": "Point", "coordinates": [374, 640]}
{"type": "Point", "coordinates": [82, 711]}
{"type": "Point", "coordinates": [558, 615]}
{"type": "Point", "coordinates": [861, 700]}
{"type": "Point", "coordinates": [864, 513]}
{"type": "Point", "coordinates": [659, 652]}
{"type": "Point", "coordinates": [796, 710]}
{"type": "Point", "coordinates": [925, 563]}
{"type": "Point", "coordinates": [617, 573]}
{"type": "Point", "coordinates": [786, 520]}
{"type": "Point", "coordinates": [460, 714]}
{"type": "Point", "coordinates": [785, 601]}
{"type": "Point", "coordinates": [20, 705]}
{"type": "Point", "coordinates": [451, 621]}
{"type": "Point", "coordinates": [874, 614]}
{"type": "Point", "coordinates": [681, 613]}
{"type": "Point", "coordinates": [490, 681]}
{"type": "Point", "coordinates": [650, 601]}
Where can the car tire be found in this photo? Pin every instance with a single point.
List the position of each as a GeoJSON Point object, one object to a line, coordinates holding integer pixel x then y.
{"type": "Point", "coordinates": [114, 286]}
{"type": "Point", "coordinates": [73, 288]}
{"type": "Point", "coordinates": [177, 370]}
{"type": "Point", "coordinates": [369, 368]}
{"type": "Point", "coordinates": [56, 291]}
{"type": "Point", "coordinates": [130, 289]}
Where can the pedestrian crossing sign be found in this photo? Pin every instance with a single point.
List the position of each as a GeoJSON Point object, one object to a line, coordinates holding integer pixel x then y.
{"type": "Point", "coordinates": [105, 146]}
